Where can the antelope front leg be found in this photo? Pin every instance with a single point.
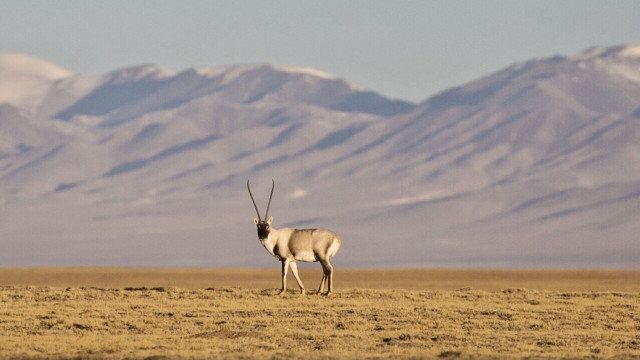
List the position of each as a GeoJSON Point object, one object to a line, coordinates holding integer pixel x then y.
{"type": "Point", "coordinates": [294, 270]}
{"type": "Point", "coordinates": [285, 268]}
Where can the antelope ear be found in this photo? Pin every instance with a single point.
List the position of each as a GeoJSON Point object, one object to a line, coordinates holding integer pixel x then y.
{"type": "Point", "coordinates": [270, 220]}
{"type": "Point", "coordinates": [256, 221]}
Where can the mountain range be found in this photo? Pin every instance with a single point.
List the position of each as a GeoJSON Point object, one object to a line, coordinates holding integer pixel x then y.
{"type": "Point", "coordinates": [535, 165]}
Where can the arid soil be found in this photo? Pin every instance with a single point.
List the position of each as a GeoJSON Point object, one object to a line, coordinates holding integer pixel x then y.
{"type": "Point", "coordinates": [173, 313]}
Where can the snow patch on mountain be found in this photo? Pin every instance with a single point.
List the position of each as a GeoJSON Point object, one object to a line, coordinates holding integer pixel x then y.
{"type": "Point", "coordinates": [304, 70]}
{"type": "Point", "coordinates": [26, 79]}
{"type": "Point", "coordinates": [24, 65]}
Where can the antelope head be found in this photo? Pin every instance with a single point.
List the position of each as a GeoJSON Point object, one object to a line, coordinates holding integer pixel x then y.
{"type": "Point", "coordinates": [263, 225]}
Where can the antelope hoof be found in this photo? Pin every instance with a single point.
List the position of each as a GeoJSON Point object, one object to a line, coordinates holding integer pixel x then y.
{"type": "Point", "coordinates": [282, 292]}
{"type": "Point", "coordinates": [327, 293]}
{"type": "Point", "coordinates": [303, 292]}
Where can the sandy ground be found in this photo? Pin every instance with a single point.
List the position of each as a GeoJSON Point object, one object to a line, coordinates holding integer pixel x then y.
{"type": "Point", "coordinates": [200, 313]}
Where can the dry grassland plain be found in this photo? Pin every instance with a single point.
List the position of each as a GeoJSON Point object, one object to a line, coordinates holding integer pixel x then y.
{"type": "Point", "coordinates": [201, 313]}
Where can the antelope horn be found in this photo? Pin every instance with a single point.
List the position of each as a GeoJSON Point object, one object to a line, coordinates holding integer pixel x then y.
{"type": "Point", "coordinates": [273, 185]}
{"type": "Point", "coordinates": [254, 202]}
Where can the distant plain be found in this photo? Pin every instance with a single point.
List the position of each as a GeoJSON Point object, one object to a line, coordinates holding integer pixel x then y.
{"type": "Point", "coordinates": [261, 278]}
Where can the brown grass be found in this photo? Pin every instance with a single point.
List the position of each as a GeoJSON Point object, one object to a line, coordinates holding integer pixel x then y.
{"type": "Point", "coordinates": [140, 313]}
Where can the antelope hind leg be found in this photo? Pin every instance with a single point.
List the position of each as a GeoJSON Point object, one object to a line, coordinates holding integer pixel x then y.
{"type": "Point", "coordinates": [324, 278]}
{"type": "Point", "coordinates": [329, 275]}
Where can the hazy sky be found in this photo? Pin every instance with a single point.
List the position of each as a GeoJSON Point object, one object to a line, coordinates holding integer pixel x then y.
{"type": "Point", "coordinates": [404, 49]}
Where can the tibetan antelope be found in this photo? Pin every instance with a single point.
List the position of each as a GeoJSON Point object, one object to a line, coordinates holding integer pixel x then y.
{"type": "Point", "coordinates": [291, 245]}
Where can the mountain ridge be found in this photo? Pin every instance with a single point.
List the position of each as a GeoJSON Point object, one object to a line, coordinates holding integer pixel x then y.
{"type": "Point", "coordinates": [533, 165]}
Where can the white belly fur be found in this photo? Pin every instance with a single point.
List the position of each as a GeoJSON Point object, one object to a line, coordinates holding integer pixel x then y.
{"type": "Point", "coordinates": [306, 256]}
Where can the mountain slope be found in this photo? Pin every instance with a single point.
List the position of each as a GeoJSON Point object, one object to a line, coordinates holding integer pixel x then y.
{"type": "Point", "coordinates": [536, 164]}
